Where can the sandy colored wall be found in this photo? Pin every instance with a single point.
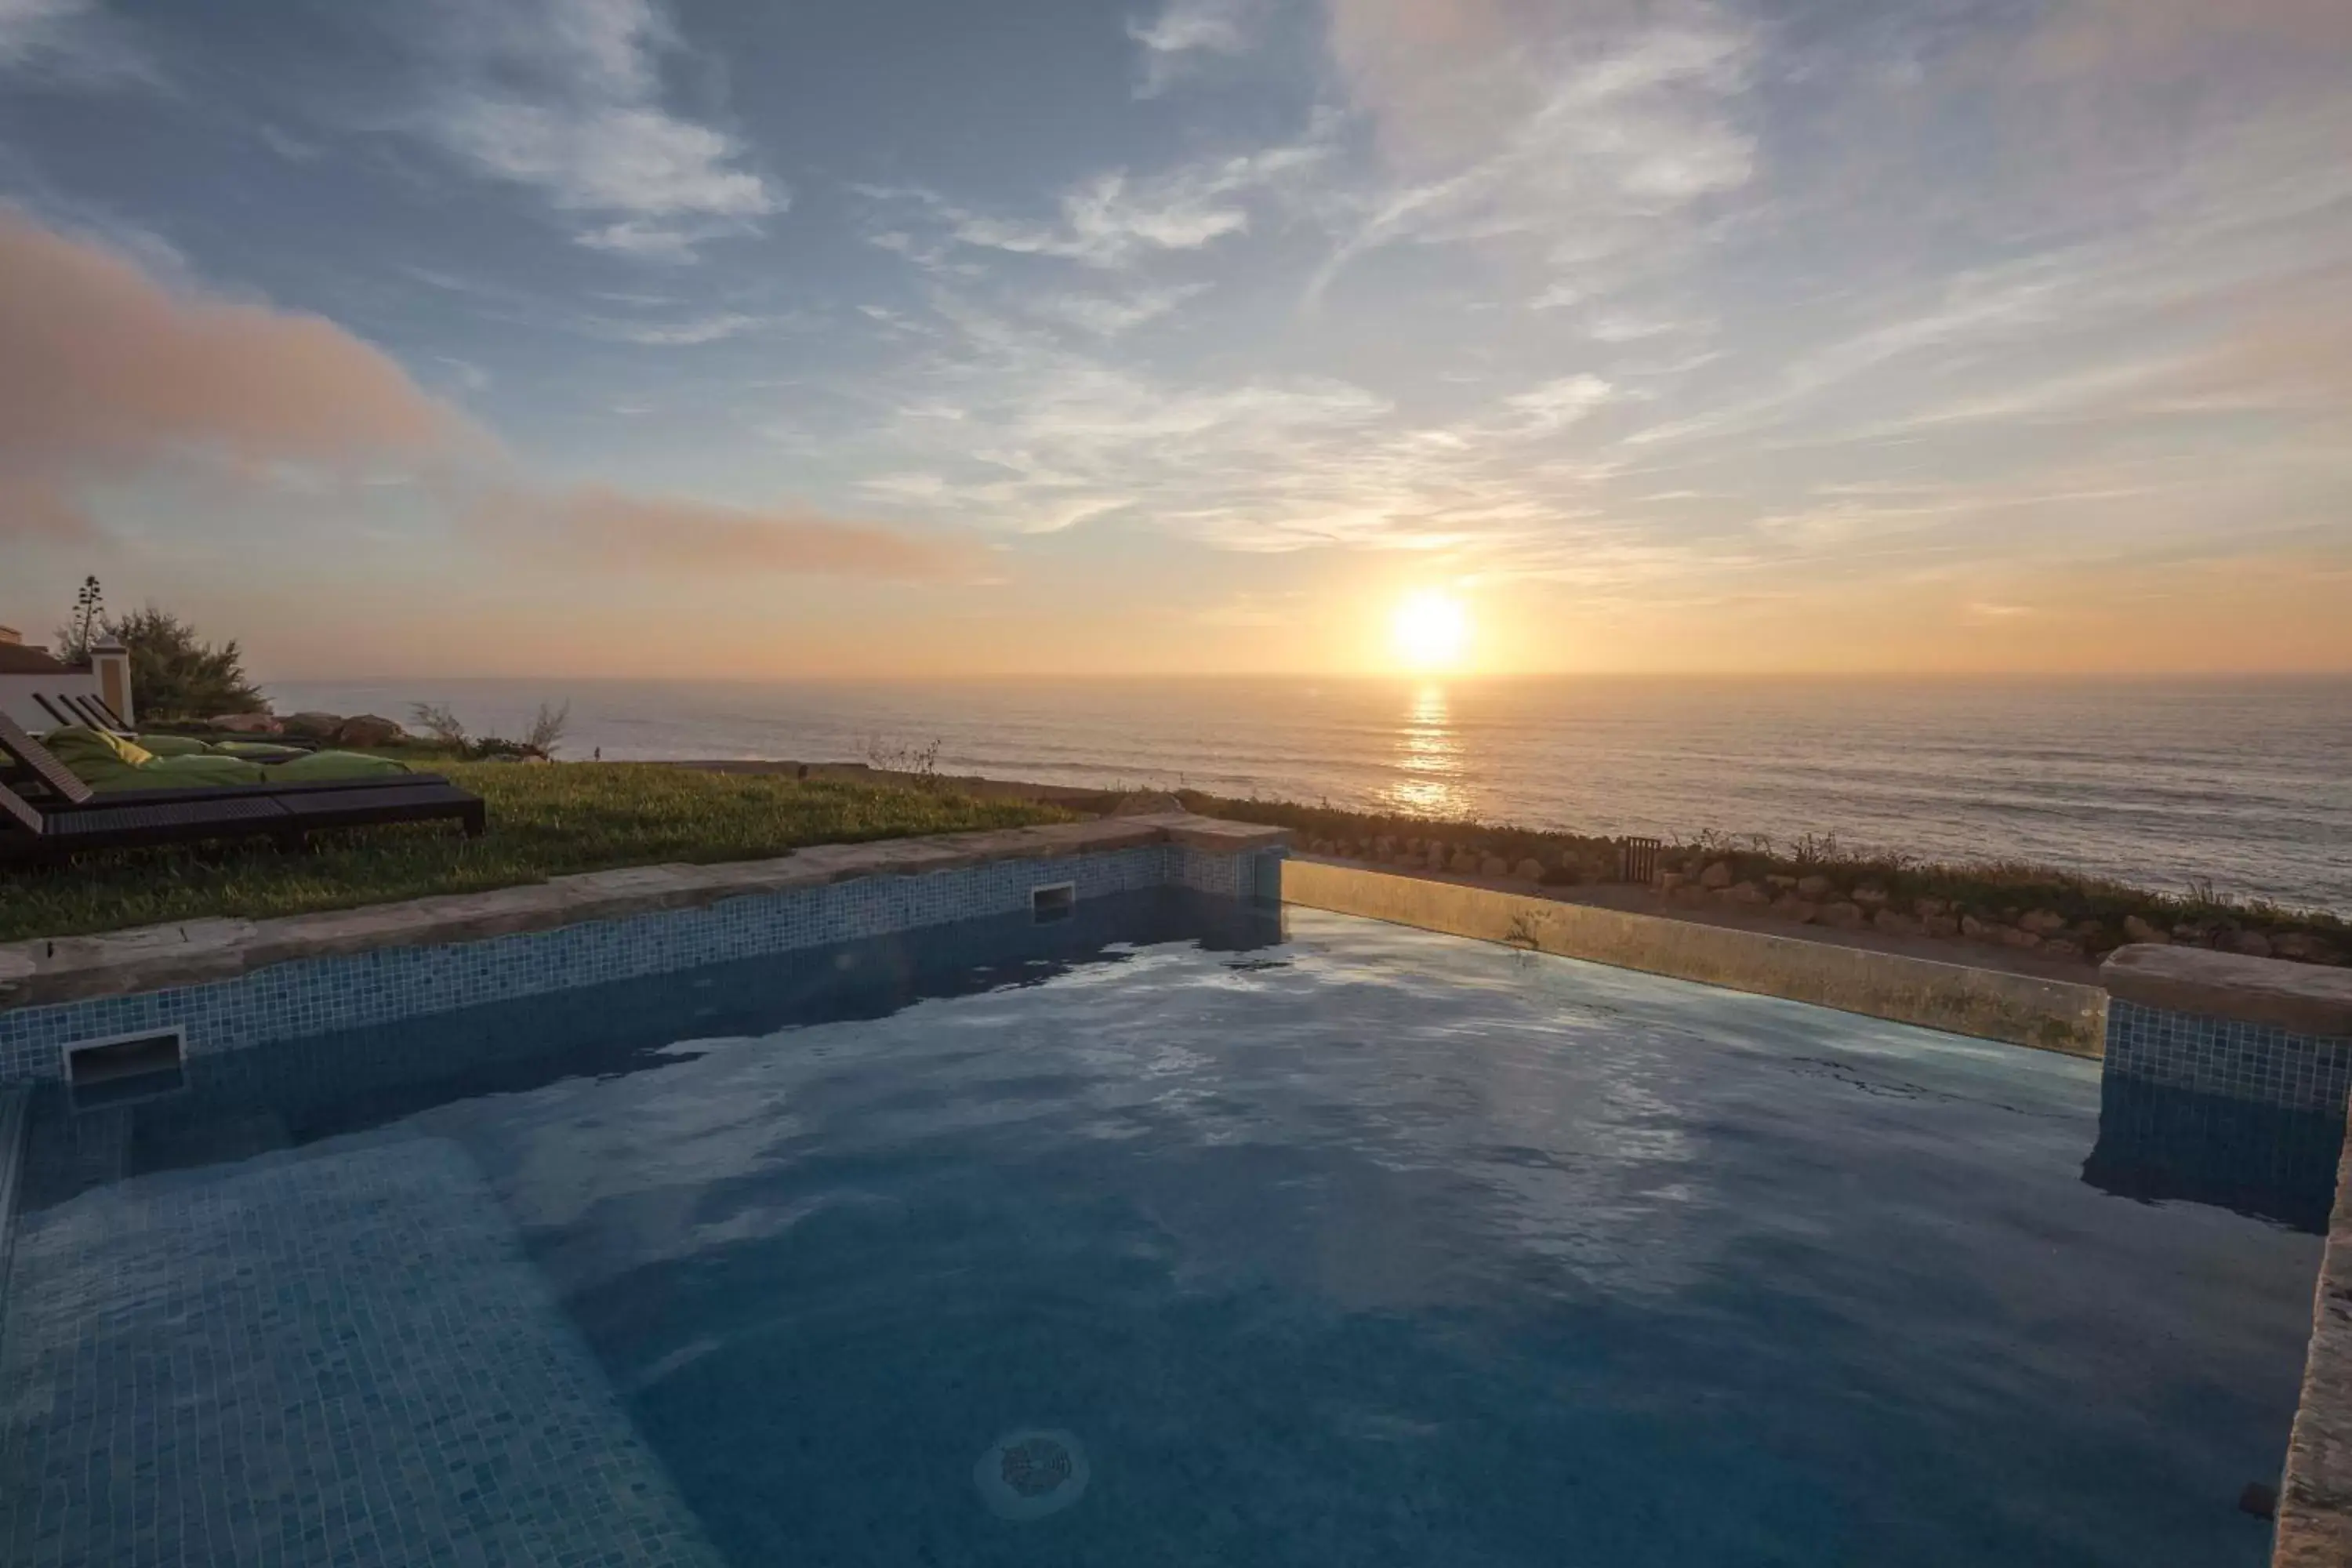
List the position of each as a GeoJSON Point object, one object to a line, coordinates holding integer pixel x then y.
{"type": "Point", "coordinates": [2051, 1015]}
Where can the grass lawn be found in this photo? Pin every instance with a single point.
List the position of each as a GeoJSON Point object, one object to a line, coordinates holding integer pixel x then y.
{"type": "Point", "coordinates": [544, 821]}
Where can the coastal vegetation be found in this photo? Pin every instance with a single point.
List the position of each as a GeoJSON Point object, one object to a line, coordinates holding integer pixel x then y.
{"type": "Point", "coordinates": [2009, 905]}
{"type": "Point", "coordinates": [175, 673]}
{"type": "Point", "coordinates": [545, 821]}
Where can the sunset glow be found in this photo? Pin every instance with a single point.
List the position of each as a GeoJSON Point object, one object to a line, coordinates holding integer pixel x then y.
{"type": "Point", "coordinates": [1430, 632]}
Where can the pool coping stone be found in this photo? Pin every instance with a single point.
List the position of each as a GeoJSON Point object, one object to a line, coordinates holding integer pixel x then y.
{"type": "Point", "coordinates": [2315, 1511]}
{"type": "Point", "coordinates": [2300, 998]}
{"type": "Point", "coordinates": [43, 971]}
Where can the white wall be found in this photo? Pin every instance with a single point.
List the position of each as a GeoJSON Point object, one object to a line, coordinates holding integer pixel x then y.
{"type": "Point", "coordinates": [17, 696]}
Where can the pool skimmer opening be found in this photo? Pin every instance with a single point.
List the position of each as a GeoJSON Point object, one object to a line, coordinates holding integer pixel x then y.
{"type": "Point", "coordinates": [1054, 901]}
{"type": "Point", "coordinates": [1030, 1474]}
{"type": "Point", "coordinates": [125, 1068]}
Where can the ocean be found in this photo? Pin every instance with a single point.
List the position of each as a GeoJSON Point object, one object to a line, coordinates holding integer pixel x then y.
{"type": "Point", "coordinates": [2245, 785]}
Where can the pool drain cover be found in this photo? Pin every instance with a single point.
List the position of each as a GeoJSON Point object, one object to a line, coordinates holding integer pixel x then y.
{"type": "Point", "coordinates": [1028, 1475]}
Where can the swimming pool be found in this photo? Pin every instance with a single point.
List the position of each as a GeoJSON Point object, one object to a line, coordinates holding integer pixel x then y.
{"type": "Point", "coordinates": [1163, 1234]}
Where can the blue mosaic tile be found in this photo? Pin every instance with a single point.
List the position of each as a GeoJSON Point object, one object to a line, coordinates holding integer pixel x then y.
{"type": "Point", "coordinates": [2228, 1059]}
{"type": "Point", "coordinates": [337, 1356]}
{"type": "Point", "coordinates": [311, 997]}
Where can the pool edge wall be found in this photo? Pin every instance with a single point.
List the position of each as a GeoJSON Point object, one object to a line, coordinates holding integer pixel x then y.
{"type": "Point", "coordinates": [1993, 1005]}
{"type": "Point", "coordinates": [2280, 1035]}
{"type": "Point", "coordinates": [230, 984]}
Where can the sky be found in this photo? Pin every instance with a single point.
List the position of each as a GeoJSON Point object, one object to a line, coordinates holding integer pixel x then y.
{"type": "Point", "coordinates": [708, 337]}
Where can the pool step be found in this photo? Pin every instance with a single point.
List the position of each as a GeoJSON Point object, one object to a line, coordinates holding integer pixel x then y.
{"type": "Point", "coordinates": [335, 1355]}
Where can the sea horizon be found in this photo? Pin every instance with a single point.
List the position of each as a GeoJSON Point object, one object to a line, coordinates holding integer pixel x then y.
{"type": "Point", "coordinates": [2240, 782]}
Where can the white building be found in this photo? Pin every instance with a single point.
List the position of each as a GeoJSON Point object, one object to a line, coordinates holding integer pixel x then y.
{"type": "Point", "coordinates": [41, 692]}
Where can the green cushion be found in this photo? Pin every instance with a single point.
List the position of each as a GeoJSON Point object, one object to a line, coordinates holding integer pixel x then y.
{"type": "Point", "coordinates": [174, 746]}
{"type": "Point", "coordinates": [321, 766]}
{"type": "Point", "coordinates": [255, 750]}
{"type": "Point", "coordinates": [203, 771]}
{"type": "Point", "coordinates": [100, 760]}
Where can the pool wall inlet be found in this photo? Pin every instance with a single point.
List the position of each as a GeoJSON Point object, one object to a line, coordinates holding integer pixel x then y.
{"type": "Point", "coordinates": [230, 984]}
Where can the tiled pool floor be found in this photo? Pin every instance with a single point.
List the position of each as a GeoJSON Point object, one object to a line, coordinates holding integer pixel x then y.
{"type": "Point", "coordinates": [336, 1355]}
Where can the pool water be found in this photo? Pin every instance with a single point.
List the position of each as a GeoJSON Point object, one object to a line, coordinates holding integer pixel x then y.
{"type": "Point", "coordinates": [1169, 1235]}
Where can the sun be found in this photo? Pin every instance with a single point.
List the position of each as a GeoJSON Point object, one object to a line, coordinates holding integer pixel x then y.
{"type": "Point", "coordinates": [1431, 631]}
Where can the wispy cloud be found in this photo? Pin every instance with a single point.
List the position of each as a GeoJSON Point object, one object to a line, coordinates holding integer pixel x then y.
{"type": "Point", "coordinates": [565, 96]}
{"type": "Point", "coordinates": [74, 40]}
{"type": "Point", "coordinates": [1115, 218]}
{"type": "Point", "coordinates": [615, 531]}
{"type": "Point", "coordinates": [1185, 30]}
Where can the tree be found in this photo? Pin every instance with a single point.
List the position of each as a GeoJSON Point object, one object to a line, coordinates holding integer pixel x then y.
{"type": "Point", "coordinates": [86, 624]}
{"type": "Point", "coordinates": [174, 675]}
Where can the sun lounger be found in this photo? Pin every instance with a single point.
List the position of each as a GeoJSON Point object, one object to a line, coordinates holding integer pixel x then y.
{"type": "Point", "coordinates": [82, 818]}
{"type": "Point", "coordinates": [132, 820]}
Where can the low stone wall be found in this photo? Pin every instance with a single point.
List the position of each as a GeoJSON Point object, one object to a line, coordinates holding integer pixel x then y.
{"type": "Point", "coordinates": [2023, 1010]}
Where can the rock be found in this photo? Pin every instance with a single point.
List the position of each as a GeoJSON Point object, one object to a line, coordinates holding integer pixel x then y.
{"type": "Point", "coordinates": [1895, 922]}
{"type": "Point", "coordinates": [1943, 926]}
{"type": "Point", "coordinates": [1529, 870]}
{"type": "Point", "coordinates": [1790, 907]}
{"type": "Point", "coordinates": [1869, 897]}
{"type": "Point", "coordinates": [368, 730]}
{"type": "Point", "coordinates": [312, 726]}
{"type": "Point", "coordinates": [1690, 893]}
{"type": "Point", "coordinates": [1494, 866]}
{"type": "Point", "coordinates": [1384, 846]}
{"type": "Point", "coordinates": [1436, 857]}
{"type": "Point", "coordinates": [1715, 877]}
{"type": "Point", "coordinates": [2059, 947]}
{"type": "Point", "coordinates": [2042, 922]}
{"type": "Point", "coordinates": [245, 723]}
{"type": "Point", "coordinates": [2138, 929]}
{"type": "Point", "coordinates": [1929, 908]}
{"type": "Point", "coordinates": [1463, 861]}
{"type": "Point", "coordinates": [1747, 895]}
{"type": "Point", "coordinates": [1972, 927]}
{"type": "Point", "coordinates": [2018, 937]}
{"type": "Point", "coordinates": [1671, 881]}
{"type": "Point", "coordinates": [2302, 948]}
{"type": "Point", "coordinates": [2252, 943]}
{"type": "Point", "coordinates": [1814, 887]}
{"type": "Point", "coordinates": [1781, 883]}
{"type": "Point", "coordinates": [1145, 802]}
{"type": "Point", "coordinates": [1321, 846]}
{"type": "Point", "coordinates": [1844, 916]}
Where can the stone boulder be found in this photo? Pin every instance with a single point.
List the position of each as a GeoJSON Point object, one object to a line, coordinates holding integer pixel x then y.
{"type": "Point", "coordinates": [1746, 895]}
{"type": "Point", "coordinates": [1529, 870]}
{"type": "Point", "coordinates": [1929, 908]}
{"type": "Point", "coordinates": [2059, 947]}
{"type": "Point", "coordinates": [1895, 922]}
{"type": "Point", "coordinates": [2302, 948]}
{"type": "Point", "coordinates": [1790, 907]}
{"type": "Point", "coordinates": [1494, 866]}
{"type": "Point", "coordinates": [1871, 898]}
{"type": "Point", "coordinates": [1671, 881]}
{"type": "Point", "coordinates": [2252, 943]}
{"type": "Point", "coordinates": [368, 730]}
{"type": "Point", "coordinates": [1844, 916]}
{"type": "Point", "coordinates": [312, 726]}
{"type": "Point", "coordinates": [1436, 857]}
{"type": "Point", "coordinates": [2138, 929]}
{"type": "Point", "coordinates": [245, 723]}
{"type": "Point", "coordinates": [2042, 922]}
{"type": "Point", "coordinates": [1715, 878]}
{"type": "Point", "coordinates": [1940, 926]}
{"type": "Point", "coordinates": [1814, 889]}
